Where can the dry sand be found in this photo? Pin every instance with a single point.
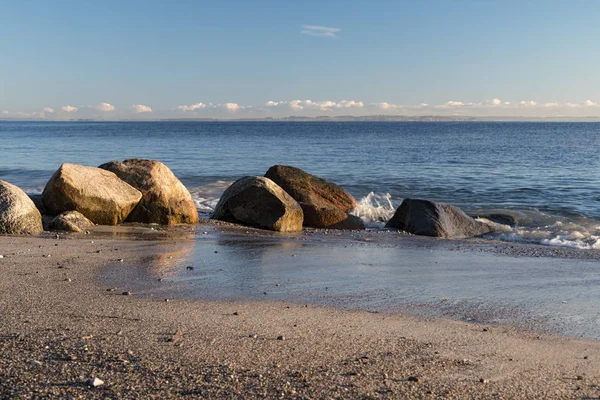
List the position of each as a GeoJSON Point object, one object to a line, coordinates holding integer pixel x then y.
{"type": "Point", "coordinates": [60, 328]}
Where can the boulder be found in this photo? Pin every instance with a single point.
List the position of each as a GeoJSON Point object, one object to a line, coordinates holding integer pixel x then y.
{"type": "Point", "coordinates": [259, 202]}
{"type": "Point", "coordinates": [70, 221]}
{"type": "Point", "coordinates": [96, 193]}
{"type": "Point", "coordinates": [426, 218]}
{"type": "Point", "coordinates": [18, 214]}
{"type": "Point", "coordinates": [330, 218]}
{"type": "Point", "coordinates": [165, 200]}
{"type": "Point", "coordinates": [326, 205]}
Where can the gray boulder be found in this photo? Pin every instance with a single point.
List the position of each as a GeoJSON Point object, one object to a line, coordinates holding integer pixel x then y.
{"type": "Point", "coordinates": [70, 221]}
{"type": "Point", "coordinates": [427, 218]}
{"type": "Point", "coordinates": [18, 214]}
{"type": "Point", "coordinates": [259, 202]}
{"type": "Point", "coordinates": [96, 193]}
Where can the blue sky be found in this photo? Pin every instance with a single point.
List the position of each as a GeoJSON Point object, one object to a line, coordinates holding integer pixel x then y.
{"type": "Point", "coordinates": [157, 59]}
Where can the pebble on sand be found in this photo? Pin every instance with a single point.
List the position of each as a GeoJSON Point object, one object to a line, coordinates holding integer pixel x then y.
{"type": "Point", "coordinates": [126, 293]}
{"type": "Point", "coordinates": [1, 256]}
{"type": "Point", "coordinates": [95, 382]}
{"type": "Point", "coordinates": [36, 363]}
{"type": "Point", "coordinates": [280, 337]}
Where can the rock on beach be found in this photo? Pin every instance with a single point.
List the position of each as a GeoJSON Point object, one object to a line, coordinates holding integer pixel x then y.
{"type": "Point", "coordinates": [427, 218]}
{"type": "Point", "coordinates": [18, 213]}
{"type": "Point", "coordinates": [70, 221]}
{"type": "Point", "coordinates": [96, 193]}
{"type": "Point", "coordinates": [165, 200]}
{"type": "Point", "coordinates": [259, 202]}
{"type": "Point", "coordinates": [325, 204]}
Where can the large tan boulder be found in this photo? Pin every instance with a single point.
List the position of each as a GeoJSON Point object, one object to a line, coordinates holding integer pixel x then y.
{"type": "Point", "coordinates": [165, 200]}
{"type": "Point", "coordinates": [325, 204]}
{"type": "Point", "coordinates": [259, 202]}
{"type": "Point", "coordinates": [96, 193]}
{"type": "Point", "coordinates": [18, 214]}
{"type": "Point", "coordinates": [70, 221]}
{"type": "Point", "coordinates": [427, 218]}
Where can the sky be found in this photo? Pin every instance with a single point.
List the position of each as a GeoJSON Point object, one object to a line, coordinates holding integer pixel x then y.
{"type": "Point", "coordinates": [149, 59]}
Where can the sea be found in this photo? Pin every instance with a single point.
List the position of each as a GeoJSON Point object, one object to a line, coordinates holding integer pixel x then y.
{"type": "Point", "coordinates": [546, 175]}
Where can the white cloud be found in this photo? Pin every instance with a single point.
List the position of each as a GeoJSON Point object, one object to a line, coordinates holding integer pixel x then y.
{"type": "Point", "coordinates": [297, 105]}
{"type": "Point", "coordinates": [48, 110]}
{"type": "Point", "coordinates": [325, 105]}
{"type": "Point", "coordinates": [530, 103]}
{"type": "Point", "coordinates": [68, 108]}
{"type": "Point", "coordinates": [140, 108]}
{"type": "Point", "coordinates": [589, 103]}
{"type": "Point", "coordinates": [454, 104]}
{"type": "Point", "coordinates": [496, 102]}
{"type": "Point", "coordinates": [350, 104]}
{"type": "Point", "coordinates": [233, 107]}
{"type": "Point", "coordinates": [192, 107]}
{"type": "Point", "coordinates": [385, 105]}
{"type": "Point", "coordinates": [105, 107]}
{"type": "Point", "coordinates": [5, 112]}
{"type": "Point", "coordinates": [550, 105]}
{"type": "Point", "coordinates": [323, 31]}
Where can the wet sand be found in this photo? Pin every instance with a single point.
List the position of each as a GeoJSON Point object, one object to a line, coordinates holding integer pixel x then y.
{"type": "Point", "coordinates": [65, 322]}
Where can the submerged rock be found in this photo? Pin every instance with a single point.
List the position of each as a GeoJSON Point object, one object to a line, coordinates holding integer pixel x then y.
{"type": "Point", "coordinates": [165, 200]}
{"type": "Point", "coordinates": [18, 214]}
{"type": "Point", "coordinates": [325, 205]}
{"type": "Point", "coordinates": [96, 193]}
{"type": "Point", "coordinates": [427, 218]}
{"type": "Point", "coordinates": [71, 221]}
{"type": "Point", "coordinates": [503, 219]}
{"type": "Point", "coordinates": [259, 202]}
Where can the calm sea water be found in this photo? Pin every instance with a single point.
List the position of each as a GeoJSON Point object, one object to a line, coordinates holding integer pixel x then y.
{"type": "Point", "coordinates": [546, 174]}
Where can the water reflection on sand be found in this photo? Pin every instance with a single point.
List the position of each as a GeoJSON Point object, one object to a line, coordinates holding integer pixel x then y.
{"type": "Point", "coordinates": [365, 273]}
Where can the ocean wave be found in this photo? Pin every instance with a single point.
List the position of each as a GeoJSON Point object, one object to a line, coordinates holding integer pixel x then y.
{"type": "Point", "coordinates": [207, 196]}
{"type": "Point", "coordinates": [583, 233]}
{"type": "Point", "coordinates": [375, 209]}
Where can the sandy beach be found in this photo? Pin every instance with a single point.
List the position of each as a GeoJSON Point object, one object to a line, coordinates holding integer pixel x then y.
{"type": "Point", "coordinates": [62, 326]}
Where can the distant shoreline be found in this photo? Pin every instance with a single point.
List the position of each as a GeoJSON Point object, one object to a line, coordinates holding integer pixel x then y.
{"type": "Point", "coordinates": [370, 118]}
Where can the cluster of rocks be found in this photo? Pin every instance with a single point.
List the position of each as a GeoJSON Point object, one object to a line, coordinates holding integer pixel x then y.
{"type": "Point", "coordinates": [286, 199]}
{"type": "Point", "coordinates": [76, 197]}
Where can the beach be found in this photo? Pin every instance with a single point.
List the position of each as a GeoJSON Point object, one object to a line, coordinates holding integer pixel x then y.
{"type": "Point", "coordinates": [63, 325]}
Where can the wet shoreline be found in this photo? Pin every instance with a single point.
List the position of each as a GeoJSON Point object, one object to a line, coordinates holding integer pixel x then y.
{"type": "Point", "coordinates": [535, 287]}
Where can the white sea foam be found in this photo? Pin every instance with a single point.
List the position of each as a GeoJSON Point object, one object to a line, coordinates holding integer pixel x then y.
{"type": "Point", "coordinates": [375, 209]}
{"type": "Point", "coordinates": [207, 196]}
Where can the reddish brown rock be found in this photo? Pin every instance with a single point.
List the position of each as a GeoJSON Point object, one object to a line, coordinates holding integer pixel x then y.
{"type": "Point", "coordinates": [325, 204]}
